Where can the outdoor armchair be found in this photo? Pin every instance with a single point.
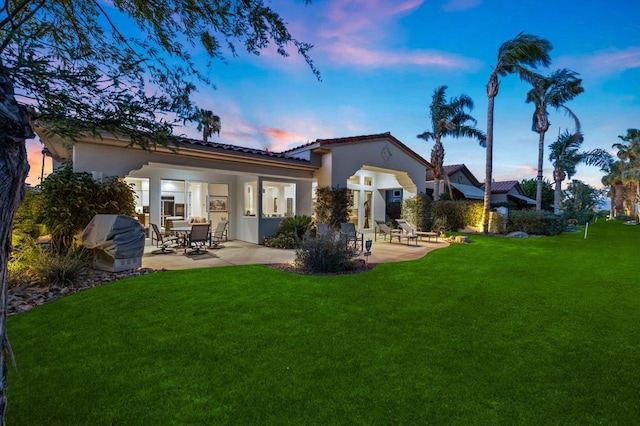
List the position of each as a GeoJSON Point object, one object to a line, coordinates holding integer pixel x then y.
{"type": "Point", "coordinates": [350, 235]}
{"type": "Point", "coordinates": [219, 234]}
{"type": "Point", "coordinates": [165, 244]}
{"type": "Point", "coordinates": [198, 238]}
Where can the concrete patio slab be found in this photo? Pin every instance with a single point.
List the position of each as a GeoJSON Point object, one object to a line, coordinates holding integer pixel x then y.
{"type": "Point", "coordinates": [242, 253]}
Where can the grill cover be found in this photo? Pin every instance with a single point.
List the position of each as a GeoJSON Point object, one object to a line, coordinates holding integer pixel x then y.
{"type": "Point", "coordinates": [112, 237]}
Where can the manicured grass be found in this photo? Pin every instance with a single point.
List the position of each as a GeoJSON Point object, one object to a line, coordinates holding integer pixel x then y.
{"type": "Point", "coordinates": [500, 331]}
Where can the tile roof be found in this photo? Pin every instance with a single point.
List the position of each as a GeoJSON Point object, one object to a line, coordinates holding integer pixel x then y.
{"type": "Point", "coordinates": [454, 168]}
{"type": "Point", "coordinates": [502, 186]}
{"type": "Point", "coordinates": [237, 149]}
{"type": "Point", "coordinates": [361, 138]}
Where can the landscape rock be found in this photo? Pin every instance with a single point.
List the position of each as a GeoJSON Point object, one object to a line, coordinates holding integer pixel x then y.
{"type": "Point", "coordinates": [24, 298]}
{"type": "Point", "coordinates": [518, 234]}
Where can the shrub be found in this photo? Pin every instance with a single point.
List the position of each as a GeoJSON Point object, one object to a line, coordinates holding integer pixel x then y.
{"type": "Point", "coordinates": [326, 254]}
{"type": "Point", "coordinates": [281, 241]}
{"type": "Point", "coordinates": [417, 211]}
{"type": "Point", "coordinates": [70, 200]}
{"type": "Point", "coordinates": [440, 225]}
{"type": "Point", "coordinates": [292, 231]}
{"type": "Point", "coordinates": [297, 226]}
{"type": "Point", "coordinates": [393, 210]}
{"type": "Point", "coordinates": [535, 223]}
{"type": "Point", "coordinates": [458, 214]}
{"type": "Point", "coordinates": [579, 217]}
{"type": "Point", "coordinates": [33, 265]}
{"type": "Point", "coordinates": [333, 205]}
{"type": "Point", "coordinates": [64, 270]}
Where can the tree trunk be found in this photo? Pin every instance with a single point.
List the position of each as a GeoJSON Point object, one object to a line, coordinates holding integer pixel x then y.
{"type": "Point", "coordinates": [492, 92]}
{"type": "Point", "coordinates": [558, 177]}
{"type": "Point", "coordinates": [619, 199]}
{"type": "Point", "coordinates": [631, 200]}
{"type": "Point", "coordinates": [540, 176]}
{"type": "Point", "coordinates": [437, 161]}
{"type": "Point", "coordinates": [436, 189]}
{"type": "Point", "coordinates": [14, 168]}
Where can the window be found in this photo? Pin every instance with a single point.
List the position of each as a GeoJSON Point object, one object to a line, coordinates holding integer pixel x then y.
{"type": "Point", "coordinates": [278, 199]}
{"type": "Point", "coordinates": [368, 181]}
{"type": "Point", "coordinates": [250, 198]}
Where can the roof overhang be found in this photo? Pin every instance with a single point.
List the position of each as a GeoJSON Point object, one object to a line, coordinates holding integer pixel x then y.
{"type": "Point", "coordinates": [528, 200]}
{"type": "Point", "coordinates": [470, 192]}
{"type": "Point", "coordinates": [61, 150]}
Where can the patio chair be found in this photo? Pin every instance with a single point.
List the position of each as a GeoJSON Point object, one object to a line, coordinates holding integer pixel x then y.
{"type": "Point", "coordinates": [383, 228]}
{"type": "Point", "coordinates": [349, 235]}
{"type": "Point", "coordinates": [198, 238]}
{"type": "Point", "coordinates": [322, 230]}
{"type": "Point", "coordinates": [165, 244]}
{"type": "Point", "coordinates": [407, 231]}
{"type": "Point", "coordinates": [219, 235]}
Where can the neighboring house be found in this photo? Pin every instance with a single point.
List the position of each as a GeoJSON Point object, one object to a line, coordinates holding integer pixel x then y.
{"type": "Point", "coordinates": [510, 191]}
{"type": "Point", "coordinates": [252, 189]}
{"type": "Point", "coordinates": [464, 184]}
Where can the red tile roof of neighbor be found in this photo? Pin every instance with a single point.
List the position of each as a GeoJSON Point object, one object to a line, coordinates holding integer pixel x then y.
{"type": "Point", "coordinates": [503, 186]}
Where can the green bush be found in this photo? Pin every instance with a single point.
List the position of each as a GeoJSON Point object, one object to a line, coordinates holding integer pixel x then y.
{"type": "Point", "coordinates": [292, 231]}
{"type": "Point", "coordinates": [417, 211]}
{"type": "Point", "coordinates": [535, 223]}
{"type": "Point", "coordinates": [33, 265]}
{"type": "Point", "coordinates": [64, 270]}
{"type": "Point", "coordinates": [327, 254]}
{"type": "Point", "coordinates": [579, 217]}
{"type": "Point", "coordinates": [458, 214]}
{"type": "Point", "coordinates": [333, 205]}
{"type": "Point", "coordinates": [298, 226]}
{"type": "Point", "coordinates": [393, 210]}
{"type": "Point", "coordinates": [281, 241]}
{"type": "Point", "coordinates": [440, 225]}
{"type": "Point", "coordinates": [70, 200]}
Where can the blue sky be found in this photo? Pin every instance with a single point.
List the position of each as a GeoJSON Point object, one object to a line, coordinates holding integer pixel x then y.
{"type": "Point", "coordinates": [381, 60]}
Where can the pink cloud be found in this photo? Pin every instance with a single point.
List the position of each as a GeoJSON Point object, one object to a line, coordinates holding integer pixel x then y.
{"type": "Point", "coordinates": [460, 5]}
{"type": "Point", "coordinates": [604, 62]}
{"type": "Point", "coordinates": [351, 18]}
{"type": "Point", "coordinates": [280, 140]}
{"type": "Point", "coordinates": [346, 53]}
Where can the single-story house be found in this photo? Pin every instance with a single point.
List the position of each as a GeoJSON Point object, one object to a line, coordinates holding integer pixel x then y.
{"type": "Point", "coordinates": [510, 191]}
{"type": "Point", "coordinates": [464, 185]}
{"type": "Point", "coordinates": [252, 189]}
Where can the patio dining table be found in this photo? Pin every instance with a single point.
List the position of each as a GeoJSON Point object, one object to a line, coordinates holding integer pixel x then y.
{"type": "Point", "coordinates": [182, 232]}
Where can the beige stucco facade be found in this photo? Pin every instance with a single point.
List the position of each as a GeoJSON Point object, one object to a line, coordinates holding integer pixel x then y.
{"type": "Point", "coordinates": [252, 189]}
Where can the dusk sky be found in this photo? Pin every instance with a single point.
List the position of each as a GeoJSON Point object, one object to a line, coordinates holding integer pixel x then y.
{"type": "Point", "coordinates": [380, 61]}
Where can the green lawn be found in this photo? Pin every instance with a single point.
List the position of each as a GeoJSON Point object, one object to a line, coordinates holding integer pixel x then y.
{"type": "Point", "coordinates": [499, 331]}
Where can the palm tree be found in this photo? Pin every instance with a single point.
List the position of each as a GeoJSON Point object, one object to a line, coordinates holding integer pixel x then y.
{"type": "Point", "coordinates": [565, 155]}
{"type": "Point", "coordinates": [613, 179]}
{"type": "Point", "coordinates": [208, 123]}
{"type": "Point", "coordinates": [555, 90]}
{"type": "Point", "coordinates": [629, 154]}
{"type": "Point", "coordinates": [448, 119]}
{"type": "Point", "coordinates": [513, 57]}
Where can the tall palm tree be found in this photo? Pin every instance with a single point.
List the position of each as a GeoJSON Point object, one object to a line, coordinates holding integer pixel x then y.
{"type": "Point", "coordinates": [629, 154]}
{"type": "Point", "coordinates": [448, 118]}
{"type": "Point", "coordinates": [613, 179]}
{"type": "Point", "coordinates": [513, 57]}
{"type": "Point", "coordinates": [565, 155]}
{"type": "Point", "coordinates": [559, 87]}
{"type": "Point", "coordinates": [208, 122]}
